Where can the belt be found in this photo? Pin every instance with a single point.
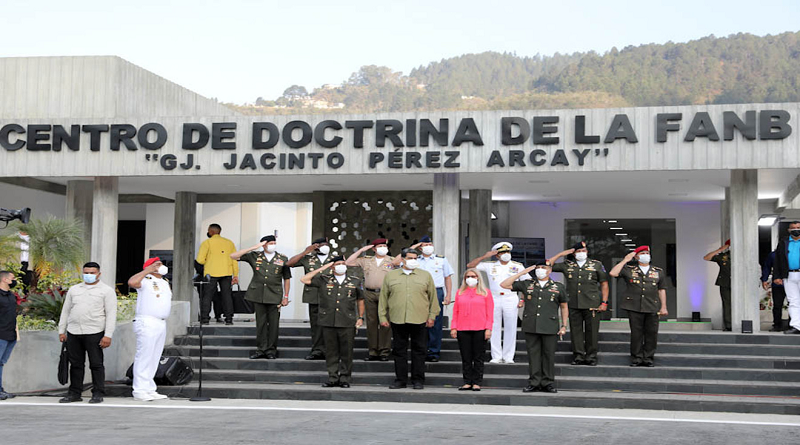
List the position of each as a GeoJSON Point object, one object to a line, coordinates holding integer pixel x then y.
{"type": "Point", "coordinates": [150, 317]}
{"type": "Point", "coordinates": [795, 270]}
{"type": "Point", "coordinates": [372, 290]}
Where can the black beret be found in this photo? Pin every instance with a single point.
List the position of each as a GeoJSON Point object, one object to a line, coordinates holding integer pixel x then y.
{"type": "Point", "coordinates": [322, 240]}
{"type": "Point", "coordinates": [337, 258]}
{"type": "Point", "coordinates": [579, 245]}
{"type": "Point", "coordinates": [541, 263]}
{"type": "Point", "coordinates": [425, 239]}
{"type": "Point", "coordinates": [268, 238]}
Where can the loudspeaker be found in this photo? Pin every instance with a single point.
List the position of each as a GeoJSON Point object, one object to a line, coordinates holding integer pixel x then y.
{"type": "Point", "coordinates": [172, 371]}
{"type": "Point", "coordinates": [696, 317]}
{"type": "Point", "coordinates": [747, 326]}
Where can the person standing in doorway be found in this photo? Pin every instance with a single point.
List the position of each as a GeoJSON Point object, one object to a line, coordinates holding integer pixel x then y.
{"type": "Point", "coordinates": [778, 293]}
{"type": "Point", "coordinates": [587, 288]}
{"type": "Point", "coordinates": [441, 271]}
{"type": "Point", "coordinates": [787, 273]}
{"type": "Point", "coordinates": [379, 338]}
{"type": "Point", "coordinates": [506, 302]}
{"type": "Point", "coordinates": [8, 324]}
{"type": "Point", "coordinates": [87, 323]}
{"type": "Point", "coordinates": [215, 256]}
{"type": "Point", "coordinates": [722, 257]}
{"type": "Point", "coordinates": [153, 305]}
{"type": "Point", "coordinates": [314, 257]}
{"type": "Point", "coordinates": [645, 299]}
{"type": "Point", "coordinates": [268, 290]}
{"type": "Point", "coordinates": [473, 316]}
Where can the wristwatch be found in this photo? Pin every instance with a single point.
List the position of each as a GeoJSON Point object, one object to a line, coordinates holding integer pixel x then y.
{"type": "Point", "coordinates": [360, 318]}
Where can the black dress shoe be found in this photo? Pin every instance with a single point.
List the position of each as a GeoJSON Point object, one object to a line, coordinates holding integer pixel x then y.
{"type": "Point", "coordinates": [228, 322]}
{"type": "Point", "coordinates": [330, 384]}
{"type": "Point", "coordinates": [648, 364]}
{"type": "Point", "coordinates": [530, 388]}
{"type": "Point", "coordinates": [315, 356]}
{"type": "Point", "coordinates": [398, 385]}
{"type": "Point", "coordinates": [344, 385]}
{"type": "Point", "coordinates": [792, 331]}
{"type": "Point", "coordinates": [271, 356]}
{"type": "Point", "coordinates": [70, 399]}
{"type": "Point", "coordinates": [578, 361]}
{"type": "Point", "coordinates": [419, 386]}
{"type": "Point", "coordinates": [257, 355]}
{"type": "Point", "coordinates": [6, 395]}
{"type": "Point", "coordinates": [727, 330]}
{"type": "Point", "coordinates": [465, 388]}
{"type": "Point", "coordinates": [634, 364]}
{"type": "Point", "coordinates": [96, 399]}
{"type": "Point", "coordinates": [219, 320]}
{"type": "Point", "coordinates": [432, 359]}
{"type": "Point", "coordinates": [372, 358]}
{"type": "Point", "coordinates": [776, 329]}
{"type": "Point", "coordinates": [591, 363]}
{"type": "Point", "coordinates": [549, 388]}
{"type": "Point", "coordinates": [384, 358]}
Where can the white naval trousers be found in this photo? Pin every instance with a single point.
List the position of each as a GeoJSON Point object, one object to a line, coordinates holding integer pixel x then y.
{"type": "Point", "coordinates": [505, 324]}
{"type": "Point", "coordinates": [150, 335]}
{"type": "Point", "coordinates": [792, 287]}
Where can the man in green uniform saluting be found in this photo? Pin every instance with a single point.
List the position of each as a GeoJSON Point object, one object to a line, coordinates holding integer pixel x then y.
{"type": "Point", "coordinates": [268, 290]}
{"type": "Point", "coordinates": [722, 256]}
{"type": "Point", "coordinates": [315, 256]}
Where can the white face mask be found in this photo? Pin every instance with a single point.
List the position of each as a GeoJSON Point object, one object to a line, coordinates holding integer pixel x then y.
{"type": "Point", "coordinates": [162, 270]}
{"type": "Point", "coordinates": [580, 256]}
{"type": "Point", "coordinates": [271, 248]}
{"type": "Point", "coordinates": [324, 250]}
{"type": "Point", "coordinates": [427, 250]}
{"type": "Point", "coordinates": [340, 269]}
{"type": "Point", "coordinates": [382, 251]}
{"type": "Point", "coordinates": [541, 273]}
{"type": "Point", "coordinates": [412, 264]}
{"type": "Point", "coordinates": [471, 282]}
{"type": "Point", "coordinates": [506, 257]}
{"type": "Point", "coordinates": [644, 258]}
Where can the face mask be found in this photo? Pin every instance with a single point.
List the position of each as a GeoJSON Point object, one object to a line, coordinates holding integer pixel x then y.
{"type": "Point", "coordinates": [471, 282]}
{"type": "Point", "coordinates": [795, 232]}
{"type": "Point", "coordinates": [580, 256]}
{"type": "Point", "coordinates": [162, 270]}
{"type": "Point", "coordinates": [89, 278]}
{"type": "Point", "coordinates": [541, 273]}
{"type": "Point", "coordinates": [340, 269]}
{"type": "Point", "coordinates": [324, 250]}
{"type": "Point", "coordinates": [13, 284]}
{"type": "Point", "coordinates": [412, 264]}
{"type": "Point", "coordinates": [427, 250]}
{"type": "Point", "coordinates": [644, 258]}
{"type": "Point", "coordinates": [506, 257]}
{"type": "Point", "coordinates": [271, 248]}
{"type": "Point", "coordinates": [382, 251]}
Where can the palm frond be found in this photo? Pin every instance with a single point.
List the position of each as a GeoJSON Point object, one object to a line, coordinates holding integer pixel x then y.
{"type": "Point", "coordinates": [54, 243]}
{"type": "Point", "coordinates": [10, 247]}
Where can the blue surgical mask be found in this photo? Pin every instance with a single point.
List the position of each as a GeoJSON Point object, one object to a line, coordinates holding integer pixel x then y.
{"type": "Point", "coordinates": [89, 278]}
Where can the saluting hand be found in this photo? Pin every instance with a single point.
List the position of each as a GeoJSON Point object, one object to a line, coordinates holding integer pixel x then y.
{"type": "Point", "coordinates": [629, 257]}
{"type": "Point", "coordinates": [566, 252]}
{"type": "Point", "coordinates": [490, 253]}
{"type": "Point", "coordinates": [151, 269]}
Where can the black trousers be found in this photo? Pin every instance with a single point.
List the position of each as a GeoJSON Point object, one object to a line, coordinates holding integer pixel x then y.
{"type": "Point", "coordinates": [472, 345]}
{"type": "Point", "coordinates": [644, 336]}
{"type": "Point", "coordinates": [339, 353]}
{"type": "Point", "coordinates": [78, 347]}
{"type": "Point", "coordinates": [541, 358]}
{"type": "Point", "coordinates": [225, 297]}
{"type": "Point", "coordinates": [725, 295]}
{"type": "Point", "coordinates": [584, 330]}
{"type": "Point", "coordinates": [778, 298]}
{"type": "Point", "coordinates": [417, 336]}
{"type": "Point", "coordinates": [317, 338]}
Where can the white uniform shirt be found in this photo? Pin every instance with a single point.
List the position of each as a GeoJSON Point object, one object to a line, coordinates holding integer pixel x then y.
{"type": "Point", "coordinates": [437, 266]}
{"type": "Point", "coordinates": [154, 298]}
{"type": "Point", "coordinates": [498, 273]}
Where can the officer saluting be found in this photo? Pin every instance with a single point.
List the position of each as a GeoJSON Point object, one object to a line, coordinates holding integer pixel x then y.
{"type": "Point", "coordinates": [722, 256]}
{"type": "Point", "coordinates": [315, 256]}
{"type": "Point", "coordinates": [441, 271]}
{"type": "Point", "coordinates": [268, 290]}
{"type": "Point", "coordinates": [587, 287]}
{"type": "Point", "coordinates": [341, 297]}
{"type": "Point", "coordinates": [645, 299]}
{"type": "Point", "coordinates": [543, 299]}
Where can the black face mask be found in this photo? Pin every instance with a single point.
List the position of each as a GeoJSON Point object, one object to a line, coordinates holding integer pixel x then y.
{"type": "Point", "coordinates": [795, 232]}
{"type": "Point", "coordinates": [13, 284]}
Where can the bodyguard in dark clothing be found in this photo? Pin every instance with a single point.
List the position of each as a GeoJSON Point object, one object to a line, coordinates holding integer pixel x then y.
{"type": "Point", "coordinates": [786, 272]}
{"type": "Point", "coordinates": [315, 256]}
{"type": "Point", "coordinates": [268, 290]}
{"type": "Point", "coordinates": [341, 312]}
{"type": "Point", "coordinates": [645, 299]}
{"type": "Point", "coordinates": [587, 287]}
{"type": "Point", "coordinates": [722, 256]}
{"type": "Point", "coordinates": [778, 293]}
{"type": "Point", "coordinates": [8, 324]}
{"type": "Point", "coordinates": [542, 299]}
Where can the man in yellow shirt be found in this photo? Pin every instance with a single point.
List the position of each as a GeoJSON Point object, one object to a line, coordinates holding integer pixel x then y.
{"type": "Point", "coordinates": [215, 256]}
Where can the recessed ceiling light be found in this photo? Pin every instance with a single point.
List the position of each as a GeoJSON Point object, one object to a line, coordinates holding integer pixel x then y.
{"type": "Point", "coordinates": [615, 228]}
{"type": "Point", "coordinates": [626, 240]}
{"type": "Point", "coordinates": [611, 221]}
{"type": "Point", "coordinates": [630, 244]}
{"type": "Point", "coordinates": [621, 234]}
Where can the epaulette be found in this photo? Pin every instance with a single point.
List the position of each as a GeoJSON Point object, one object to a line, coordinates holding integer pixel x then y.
{"type": "Point", "coordinates": [439, 256]}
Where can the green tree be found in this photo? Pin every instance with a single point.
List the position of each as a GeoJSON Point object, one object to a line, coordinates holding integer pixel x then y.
{"type": "Point", "coordinates": [55, 246]}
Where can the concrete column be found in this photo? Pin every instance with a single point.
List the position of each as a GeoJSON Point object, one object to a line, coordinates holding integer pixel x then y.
{"type": "Point", "coordinates": [480, 222]}
{"type": "Point", "coordinates": [501, 225]}
{"type": "Point", "coordinates": [183, 253]}
{"type": "Point", "coordinates": [744, 248]}
{"type": "Point", "coordinates": [446, 208]}
{"type": "Point", "coordinates": [79, 207]}
{"type": "Point", "coordinates": [105, 218]}
{"type": "Point", "coordinates": [318, 212]}
{"type": "Point", "coordinates": [725, 217]}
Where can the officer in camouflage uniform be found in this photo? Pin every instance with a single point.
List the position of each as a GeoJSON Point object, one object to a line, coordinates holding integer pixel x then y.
{"type": "Point", "coordinates": [341, 312]}
{"type": "Point", "coordinates": [268, 290]}
{"type": "Point", "coordinates": [645, 299]}
{"type": "Point", "coordinates": [543, 300]}
{"type": "Point", "coordinates": [587, 287]}
{"type": "Point", "coordinates": [722, 256]}
{"type": "Point", "coordinates": [315, 256]}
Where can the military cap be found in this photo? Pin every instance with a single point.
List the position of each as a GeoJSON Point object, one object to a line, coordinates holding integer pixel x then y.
{"type": "Point", "coordinates": [503, 246]}
{"type": "Point", "coordinates": [375, 242]}
{"type": "Point", "coordinates": [268, 238]}
{"type": "Point", "coordinates": [579, 245]}
{"type": "Point", "coordinates": [641, 249]}
{"type": "Point", "coordinates": [425, 239]}
{"type": "Point", "coordinates": [322, 240]}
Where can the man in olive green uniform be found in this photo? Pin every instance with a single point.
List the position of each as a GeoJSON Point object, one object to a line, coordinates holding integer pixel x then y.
{"type": "Point", "coordinates": [379, 338]}
{"type": "Point", "coordinates": [645, 299]}
{"type": "Point", "coordinates": [408, 301]}
{"type": "Point", "coordinates": [722, 256]}
{"type": "Point", "coordinates": [587, 287]}
{"type": "Point", "coordinates": [341, 297]}
{"type": "Point", "coordinates": [543, 300]}
{"type": "Point", "coordinates": [315, 256]}
{"type": "Point", "coordinates": [268, 290]}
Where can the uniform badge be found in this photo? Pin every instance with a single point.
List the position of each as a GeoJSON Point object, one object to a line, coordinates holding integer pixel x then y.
{"type": "Point", "coordinates": [278, 262]}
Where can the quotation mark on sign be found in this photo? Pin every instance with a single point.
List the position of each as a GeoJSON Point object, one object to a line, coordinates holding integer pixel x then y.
{"type": "Point", "coordinates": [597, 151]}
{"type": "Point", "coordinates": [153, 157]}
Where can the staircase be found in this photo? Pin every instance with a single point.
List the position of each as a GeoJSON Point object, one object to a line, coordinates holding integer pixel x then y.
{"type": "Point", "coordinates": [695, 371]}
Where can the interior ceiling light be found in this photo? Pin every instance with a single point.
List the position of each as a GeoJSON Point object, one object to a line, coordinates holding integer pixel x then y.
{"type": "Point", "coordinates": [621, 234]}
{"type": "Point", "coordinates": [494, 217]}
{"type": "Point", "coordinates": [611, 221]}
{"type": "Point", "coordinates": [767, 220]}
{"type": "Point", "coordinates": [626, 240]}
{"type": "Point", "coordinates": [615, 228]}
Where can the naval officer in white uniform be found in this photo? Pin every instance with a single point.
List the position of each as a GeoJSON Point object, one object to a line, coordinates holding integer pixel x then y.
{"type": "Point", "coordinates": [153, 305]}
{"type": "Point", "coordinates": [506, 302]}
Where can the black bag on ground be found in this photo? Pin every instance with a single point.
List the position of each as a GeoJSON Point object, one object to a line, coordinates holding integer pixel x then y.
{"type": "Point", "coordinates": [172, 371]}
{"type": "Point", "coordinates": [240, 305]}
{"type": "Point", "coordinates": [63, 365]}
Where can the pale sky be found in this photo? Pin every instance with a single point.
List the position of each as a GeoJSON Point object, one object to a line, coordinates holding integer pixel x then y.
{"type": "Point", "coordinates": [237, 50]}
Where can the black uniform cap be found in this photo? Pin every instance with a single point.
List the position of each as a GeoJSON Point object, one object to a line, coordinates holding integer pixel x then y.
{"type": "Point", "coordinates": [322, 240]}
{"type": "Point", "coordinates": [337, 258]}
{"type": "Point", "coordinates": [268, 238]}
{"type": "Point", "coordinates": [579, 245]}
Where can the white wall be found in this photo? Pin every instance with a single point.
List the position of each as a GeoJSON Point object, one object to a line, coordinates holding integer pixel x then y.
{"type": "Point", "coordinates": [42, 204]}
{"type": "Point", "coordinates": [697, 227]}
